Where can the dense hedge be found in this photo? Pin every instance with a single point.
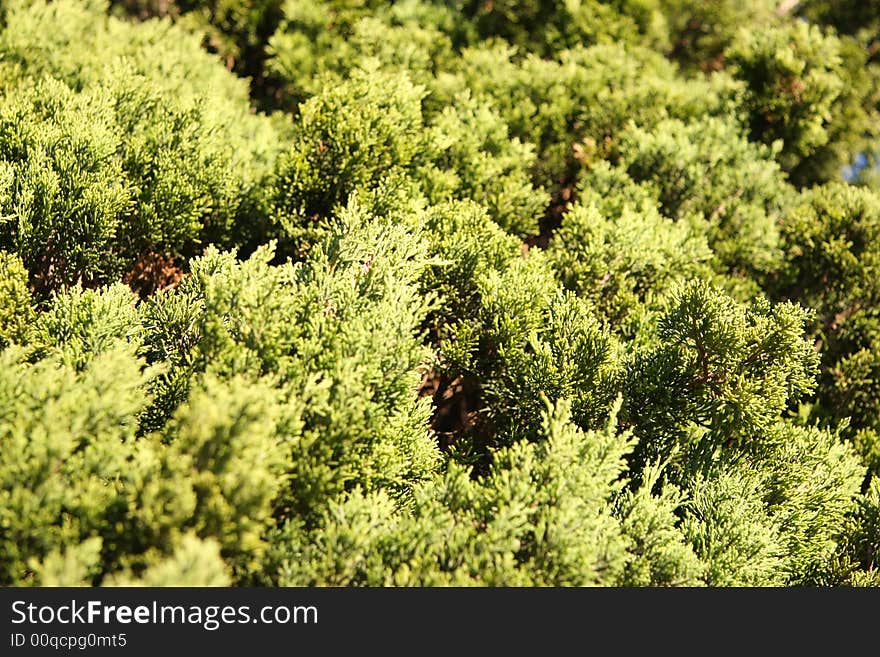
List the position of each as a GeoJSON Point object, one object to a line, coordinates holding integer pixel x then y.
{"type": "Point", "coordinates": [432, 293]}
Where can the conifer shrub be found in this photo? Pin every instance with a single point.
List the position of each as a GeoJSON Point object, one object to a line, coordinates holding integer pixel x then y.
{"type": "Point", "coordinates": [845, 16]}
{"type": "Point", "coordinates": [707, 167]}
{"type": "Point", "coordinates": [546, 28]}
{"type": "Point", "coordinates": [833, 241]}
{"type": "Point", "coordinates": [130, 143]}
{"type": "Point", "coordinates": [317, 39]}
{"type": "Point", "coordinates": [622, 255]}
{"type": "Point", "coordinates": [64, 198]}
{"type": "Point", "coordinates": [699, 31]}
{"type": "Point", "coordinates": [801, 82]}
{"type": "Point", "coordinates": [335, 334]}
{"type": "Point", "coordinates": [574, 106]}
{"type": "Point", "coordinates": [542, 515]}
{"type": "Point", "coordinates": [368, 134]}
{"type": "Point", "coordinates": [66, 441]}
{"type": "Point", "coordinates": [499, 294]}
{"type": "Point", "coordinates": [237, 30]}
{"type": "Point", "coordinates": [17, 312]}
{"type": "Point", "coordinates": [349, 138]}
{"type": "Point", "coordinates": [719, 374]}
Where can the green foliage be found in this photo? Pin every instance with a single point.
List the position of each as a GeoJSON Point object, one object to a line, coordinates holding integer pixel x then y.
{"type": "Point", "coordinates": [105, 160]}
{"type": "Point", "coordinates": [832, 239]}
{"type": "Point", "coordinates": [846, 16]}
{"type": "Point", "coordinates": [65, 438]}
{"type": "Point", "coordinates": [719, 375]}
{"type": "Point", "coordinates": [624, 258]}
{"type": "Point", "coordinates": [74, 41]}
{"type": "Point", "coordinates": [659, 554]}
{"type": "Point", "coordinates": [196, 562]}
{"type": "Point", "coordinates": [337, 334]}
{"type": "Point", "coordinates": [522, 336]}
{"type": "Point", "coordinates": [864, 538]}
{"type": "Point", "coordinates": [726, 523]}
{"type": "Point", "coordinates": [16, 306]}
{"type": "Point", "coordinates": [569, 356]}
{"type": "Point", "coordinates": [218, 476]}
{"type": "Point", "coordinates": [467, 246]}
{"type": "Point", "coordinates": [548, 27]}
{"type": "Point", "coordinates": [73, 472]}
{"type": "Point", "coordinates": [793, 82]}
{"type": "Point", "coordinates": [541, 516]}
{"type": "Point", "coordinates": [236, 29]}
{"type": "Point", "coordinates": [776, 516]}
{"type": "Point", "coordinates": [700, 31]}
{"type": "Point", "coordinates": [476, 159]}
{"type": "Point", "coordinates": [573, 107]}
{"type": "Point", "coordinates": [367, 135]}
{"type": "Point", "coordinates": [348, 139]}
{"type": "Point", "coordinates": [812, 481]}
{"type": "Point", "coordinates": [505, 293]}
{"type": "Point", "coordinates": [706, 168]}
{"type": "Point", "coordinates": [316, 40]}
{"type": "Point", "coordinates": [82, 324]}
{"type": "Point", "coordinates": [800, 84]}
{"type": "Point", "coordinates": [64, 198]}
